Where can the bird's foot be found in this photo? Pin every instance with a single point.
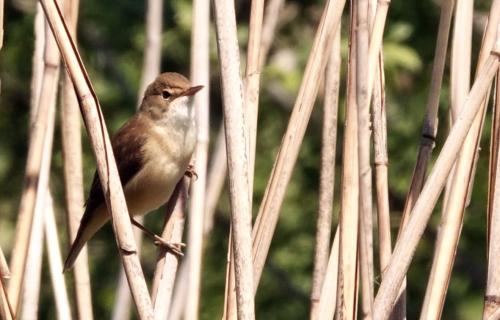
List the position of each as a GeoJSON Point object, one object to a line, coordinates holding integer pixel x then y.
{"type": "Point", "coordinates": [174, 247]}
{"type": "Point", "coordinates": [190, 173]}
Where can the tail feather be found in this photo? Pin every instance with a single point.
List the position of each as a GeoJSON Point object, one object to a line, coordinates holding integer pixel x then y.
{"type": "Point", "coordinates": [90, 224]}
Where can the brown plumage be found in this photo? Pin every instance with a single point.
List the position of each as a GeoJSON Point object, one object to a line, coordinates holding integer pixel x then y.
{"type": "Point", "coordinates": [152, 151]}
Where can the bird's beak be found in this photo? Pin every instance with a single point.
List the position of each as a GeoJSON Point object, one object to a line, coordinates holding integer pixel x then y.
{"type": "Point", "coordinates": [192, 91]}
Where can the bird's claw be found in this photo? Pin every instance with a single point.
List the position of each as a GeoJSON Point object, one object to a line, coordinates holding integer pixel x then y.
{"type": "Point", "coordinates": [190, 173]}
{"type": "Point", "coordinates": [174, 247]}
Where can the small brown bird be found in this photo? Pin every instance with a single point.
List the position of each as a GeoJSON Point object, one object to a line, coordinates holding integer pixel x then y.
{"type": "Point", "coordinates": [152, 152]}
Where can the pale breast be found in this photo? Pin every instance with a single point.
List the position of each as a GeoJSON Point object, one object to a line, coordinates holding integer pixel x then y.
{"type": "Point", "coordinates": [166, 157]}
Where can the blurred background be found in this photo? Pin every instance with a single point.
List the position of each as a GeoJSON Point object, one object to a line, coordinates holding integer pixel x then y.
{"type": "Point", "coordinates": [111, 39]}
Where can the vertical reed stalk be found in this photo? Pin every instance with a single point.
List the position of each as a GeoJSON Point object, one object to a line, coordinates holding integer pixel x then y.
{"type": "Point", "coordinates": [454, 207]}
{"type": "Point", "coordinates": [107, 170]}
{"type": "Point", "coordinates": [412, 232]}
{"type": "Point", "coordinates": [269, 27]}
{"type": "Point", "coordinates": [365, 170]}
{"type": "Point", "coordinates": [327, 175]}
{"type": "Point", "coordinates": [150, 69]}
{"type": "Point", "coordinates": [347, 283]}
{"type": "Point", "coordinates": [429, 128]}
{"type": "Point", "coordinates": [273, 197]}
{"type": "Point", "coordinates": [237, 155]}
{"type": "Point", "coordinates": [493, 278]}
{"type": "Point", "coordinates": [55, 260]}
{"type": "Point", "coordinates": [36, 172]}
{"type": "Point", "coordinates": [33, 272]}
{"type": "Point", "coordinates": [166, 263]}
{"type": "Point", "coordinates": [328, 297]}
{"type": "Point", "coordinates": [73, 175]}
{"type": "Point", "coordinates": [200, 74]}
{"type": "Point", "coordinates": [381, 170]}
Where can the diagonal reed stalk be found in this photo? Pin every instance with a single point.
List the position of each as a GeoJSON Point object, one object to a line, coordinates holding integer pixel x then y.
{"type": "Point", "coordinates": [237, 156]}
{"type": "Point", "coordinates": [200, 74]}
{"type": "Point", "coordinates": [107, 170]}
{"type": "Point", "coordinates": [347, 282]}
{"type": "Point", "coordinates": [327, 176]}
{"type": "Point", "coordinates": [273, 197]}
{"type": "Point", "coordinates": [166, 262]}
{"type": "Point", "coordinates": [412, 232]}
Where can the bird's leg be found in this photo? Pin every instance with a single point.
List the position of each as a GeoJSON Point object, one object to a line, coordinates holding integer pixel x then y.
{"type": "Point", "coordinates": [190, 173]}
{"type": "Point", "coordinates": [174, 247]}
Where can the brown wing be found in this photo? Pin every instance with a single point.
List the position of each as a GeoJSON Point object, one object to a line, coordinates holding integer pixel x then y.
{"type": "Point", "coordinates": [127, 148]}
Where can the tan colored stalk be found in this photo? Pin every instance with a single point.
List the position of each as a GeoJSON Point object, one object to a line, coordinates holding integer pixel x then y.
{"type": "Point", "coordinates": [150, 69]}
{"type": "Point", "coordinates": [327, 176]}
{"type": "Point", "coordinates": [491, 305]}
{"type": "Point", "coordinates": [429, 128]}
{"type": "Point", "coordinates": [73, 176]}
{"type": "Point", "coordinates": [381, 171]}
{"type": "Point", "coordinates": [33, 271]}
{"type": "Point", "coordinates": [269, 26]}
{"type": "Point", "coordinates": [251, 97]}
{"type": "Point", "coordinates": [107, 170]}
{"type": "Point", "coordinates": [452, 219]}
{"type": "Point", "coordinates": [412, 232]}
{"type": "Point", "coordinates": [180, 292]}
{"type": "Point", "coordinates": [55, 260]}
{"type": "Point", "coordinates": [328, 297]}
{"type": "Point", "coordinates": [200, 75]}
{"type": "Point", "coordinates": [273, 197]}
{"type": "Point", "coordinates": [35, 172]}
{"type": "Point", "coordinates": [4, 267]}
{"type": "Point", "coordinates": [347, 284]}
{"type": "Point", "coordinates": [166, 263]}
{"type": "Point", "coordinates": [365, 171]}
{"type": "Point", "coordinates": [237, 155]}
{"type": "Point", "coordinates": [217, 177]}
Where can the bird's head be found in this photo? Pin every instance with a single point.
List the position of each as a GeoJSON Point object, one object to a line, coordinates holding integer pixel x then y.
{"type": "Point", "coordinates": [169, 97]}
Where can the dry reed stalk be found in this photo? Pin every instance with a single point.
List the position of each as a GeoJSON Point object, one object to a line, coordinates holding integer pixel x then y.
{"type": "Point", "coordinates": [33, 271]}
{"type": "Point", "coordinates": [237, 158]}
{"type": "Point", "coordinates": [4, 267]}
{"type": "Point", "coordinates": [55, 261]}
{"type": "Point", "coordinates": [491, 305]}
{"type": "Point", "coordinates": [217, 177]}
{"type": "Point", "coordinates": [6, 312]}
{"type": "Point", "coordinates": [107, 170]}
{"type": "Point", "coordinates": [376, 33]}
{"type": "Point", "coordinates": [328, 297]}
{"type": "Point", "coordinates": [381, 171]}
{"type": "Point", "coordinates": [35, 173]}
{"type": "Point", "coordinates": [429, 128]}
{"type": "Point", "coordinates": [347, 283]}
{"type": "Point", "coordinates": [180, 292]}
{"type": "Point", "coordinates": [150, 69]}
{"type": "Point", "coordinates": [412, 232]}
{"type": "Point", "coordinates": [463, 172]}
{"type": "Point", "coordinates": [200, 74]}
{"type": "Point", "coordinates": [365, 171]}
{"type": "Point", "coordinates": [73, 175]}
{"type": "Point", "coordinates": [273, 197]}
{"type": "Point", "coordinates": [251, 97]}
{"type": "Point", "coordinates": [327, 176]}
{"type": "Point", "coordinates": [269, 27]}
{"type": "Point", "coordinates": [166, 263]}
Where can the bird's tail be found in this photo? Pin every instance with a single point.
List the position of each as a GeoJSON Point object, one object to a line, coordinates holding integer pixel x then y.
{"type": "Point", "coordinates": [88, 227]}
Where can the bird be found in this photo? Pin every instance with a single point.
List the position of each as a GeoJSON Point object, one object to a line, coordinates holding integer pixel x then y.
{"type": "Point", "coordinates": [152, 150]}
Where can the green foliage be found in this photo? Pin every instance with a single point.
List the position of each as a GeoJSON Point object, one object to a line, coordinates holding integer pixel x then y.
{"type": "Point", "coordinates": [111, 38]}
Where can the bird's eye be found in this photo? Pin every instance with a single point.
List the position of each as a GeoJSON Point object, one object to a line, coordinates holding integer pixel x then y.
{"type": "Point", "coordinates": [165, 94]}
